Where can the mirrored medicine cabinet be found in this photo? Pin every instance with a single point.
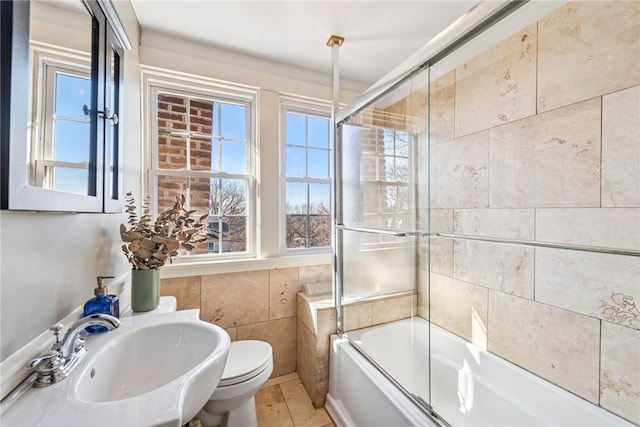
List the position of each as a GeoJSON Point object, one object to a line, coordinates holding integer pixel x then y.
{"type": "Point", "coordinates": [61, 84]}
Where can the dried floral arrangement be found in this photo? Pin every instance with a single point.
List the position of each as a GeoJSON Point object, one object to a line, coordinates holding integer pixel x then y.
{"type": "Point", "coordinates": [150, 244]}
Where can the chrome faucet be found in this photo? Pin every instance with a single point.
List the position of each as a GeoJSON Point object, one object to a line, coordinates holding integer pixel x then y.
{"type": "Point", "coordinates": [55, 364]}
{"type": "Point", "coordinates": [67, 346]}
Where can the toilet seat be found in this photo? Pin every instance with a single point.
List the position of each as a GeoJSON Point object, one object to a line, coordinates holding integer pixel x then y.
{"type": "Point", "coordinates": [246, 359]}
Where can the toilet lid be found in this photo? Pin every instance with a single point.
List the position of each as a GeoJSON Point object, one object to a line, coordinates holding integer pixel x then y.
{"type": "Point", "coordinates": [246, 359]}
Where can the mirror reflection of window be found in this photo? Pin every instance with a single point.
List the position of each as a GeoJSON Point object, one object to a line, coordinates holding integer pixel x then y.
{"type": "Point", "coordinates": [64, 165]}
{"type": "Point", "coordinates": [60, 45]}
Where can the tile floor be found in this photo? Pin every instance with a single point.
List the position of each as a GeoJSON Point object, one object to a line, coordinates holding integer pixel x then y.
{"type": "Point", "coordinates": [283, 402]}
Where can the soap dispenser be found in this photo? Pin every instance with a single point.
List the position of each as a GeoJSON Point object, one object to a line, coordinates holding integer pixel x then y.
{"type": "Point", "coordinates": [102, 303]}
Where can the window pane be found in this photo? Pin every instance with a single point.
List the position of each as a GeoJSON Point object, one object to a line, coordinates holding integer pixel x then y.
{"type": "Point", "coordinates": [296, 198]}
{"type": "Point", "coordinates": [234, 197]}
{"type": "Point", "coordinates": [71, 142]}
{"type": "Point", "coordinates": [72, 93]}
{"type": "Point", "coordinates": [389, 142]}
{"type": "Point", "coordinates": [318, 129]}
{"type": "Point", "coordinates": [171, 113]}
{"type": "Point", "coordinates": [71, 180]}
{"type": "Point", "coordinates": [201, 116]}
{"type": "Point", "coordinates": [389, 197]}
{"type": "Point", "coordinates": [234, 157]}
{"type": "Point", "coordinates": [295, 129]}
{"type": "Point", "coordinates": [389, 169]}
{"type": "Point", "coordinates": [319, 199]}
{"type": "Point", "coordinates": [215, 236]}
{"type": "Point", "coordinates": [318, 163]}
{"type": "Point", "coordinates": [168, 188]}
{"type": "Point", "coordinates": [230, 234]}
{"type": "Point", "coordinates": [233, 121]}
{"type": "Point", "coordinates": [202, 157]}
{"type": "Point", "coordinates": [319, 231]}
{"type": "Point", "coordinates": [216, 119]}
{"type": "Point", "coordinates": [402, 169]}
{"type": "Point", "coordinates": [402, 201]}
{"type": "Point", "coordinates": [172, 152]}
{"type": "Point", "coordinates": [216, 156]}
{"type": "Point", "coordinates": [402, 144]}
{"type": "Point", "coordinates": [296, 233]}
{"type": "Point", "coordinates": [237, 233]}
{"type": "Point", "coordinates": [216, 196]}
{"type": "Point", "coordinates": [296, 162]}
{"type": "Point", "coordinates": [200, 195]}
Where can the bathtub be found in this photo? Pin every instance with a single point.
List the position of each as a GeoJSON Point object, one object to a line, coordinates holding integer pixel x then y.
{"type": "Point", "coordinates": [470, 387]}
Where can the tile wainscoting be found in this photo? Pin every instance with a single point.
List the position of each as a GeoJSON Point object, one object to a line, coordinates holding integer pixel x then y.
{"type": "Point", "coordinates": [257, 305]}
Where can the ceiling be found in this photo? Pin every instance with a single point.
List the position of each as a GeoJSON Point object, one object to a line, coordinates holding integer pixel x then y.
{"type": "Point", "coordinates": [378, 34]}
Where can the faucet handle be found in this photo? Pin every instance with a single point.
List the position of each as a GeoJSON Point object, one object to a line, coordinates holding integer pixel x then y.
{"type": "Point", "coordinates": [46, 356]}
{"type": "Point", "coordinates": [56, 330]}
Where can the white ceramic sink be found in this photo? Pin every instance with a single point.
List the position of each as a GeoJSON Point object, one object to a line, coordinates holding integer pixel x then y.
{"type": "Point", "coordinates": [144, 360]}
{"type": "Point", "coordinates": [153, 370]}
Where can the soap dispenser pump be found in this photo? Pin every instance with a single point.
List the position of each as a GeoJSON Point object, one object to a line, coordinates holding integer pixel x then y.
{"type": "Point", "coordinates": [103, 303]}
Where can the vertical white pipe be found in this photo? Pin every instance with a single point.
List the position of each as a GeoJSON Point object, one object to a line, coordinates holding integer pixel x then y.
{"type": "Point", "coordinates": [336, 186]}
{"type": "Point", "coordinates": [335, 80]}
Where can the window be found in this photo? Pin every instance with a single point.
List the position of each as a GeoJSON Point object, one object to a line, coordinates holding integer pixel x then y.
{"type": "Point", "coordinates": [62, 140]}
{"type": "Point", "coordinates": [385, 174]}
{"type": "Point", "coordinates": [202, 148]}
{"type": "Point", "coordinates": [307, 186]}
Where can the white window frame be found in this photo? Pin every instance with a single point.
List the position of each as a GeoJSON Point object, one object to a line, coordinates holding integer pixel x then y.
{"type": "Point", "coordinates": [186, 85]}
{"type": "Point", "coordinates": [303, 106]}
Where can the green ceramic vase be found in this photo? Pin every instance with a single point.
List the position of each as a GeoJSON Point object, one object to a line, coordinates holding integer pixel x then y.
{"type": "Point", "coordinates": [145, 289]}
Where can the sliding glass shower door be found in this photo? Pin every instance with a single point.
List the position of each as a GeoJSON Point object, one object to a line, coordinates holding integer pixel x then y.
{"type": "Point", "coordinates": [382, 233]}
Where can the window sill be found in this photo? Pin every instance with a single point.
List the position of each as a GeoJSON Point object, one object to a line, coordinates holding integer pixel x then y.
{"type": "Point", "coordinates": [186, 268]}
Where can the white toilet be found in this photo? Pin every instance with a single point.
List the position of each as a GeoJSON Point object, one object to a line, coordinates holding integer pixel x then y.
{"type": "Point", "coordinates": [232, 404]}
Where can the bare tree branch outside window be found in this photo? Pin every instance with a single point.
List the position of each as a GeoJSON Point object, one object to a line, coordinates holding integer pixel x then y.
{"type": "Point", "coordinates": [308, 182]}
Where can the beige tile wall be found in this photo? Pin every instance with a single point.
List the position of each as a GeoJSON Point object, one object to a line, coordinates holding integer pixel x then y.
{"type": "Point", "coordinates": [538, 138]}
{"type": "Point", "coordinates": [620, 149]}
{"type": "Point", "coordinates": [619, 391]}
{"type": "Point", "coordinates": [559, 345]}
{"type": "Point", "coordinates": [548, 160]}
{"type": "Point", "coordinates": [508, 73]}
{"type": "Point", "coordinates": [462, 163]}
{"type": "Point", "coordinates": [590, 226]}
{"type": "Point", "coordinates": [461, 307]}
{"type": "Point", "coordinates": [251, 305]}
{"type": "Point", "coordinates": [316, 321]}
{"type": "Point", "coordinates": [587, 49]}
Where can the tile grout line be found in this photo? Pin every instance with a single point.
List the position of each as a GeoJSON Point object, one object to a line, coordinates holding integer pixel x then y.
{"type": "Point", "coordinates": [286, 402]}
